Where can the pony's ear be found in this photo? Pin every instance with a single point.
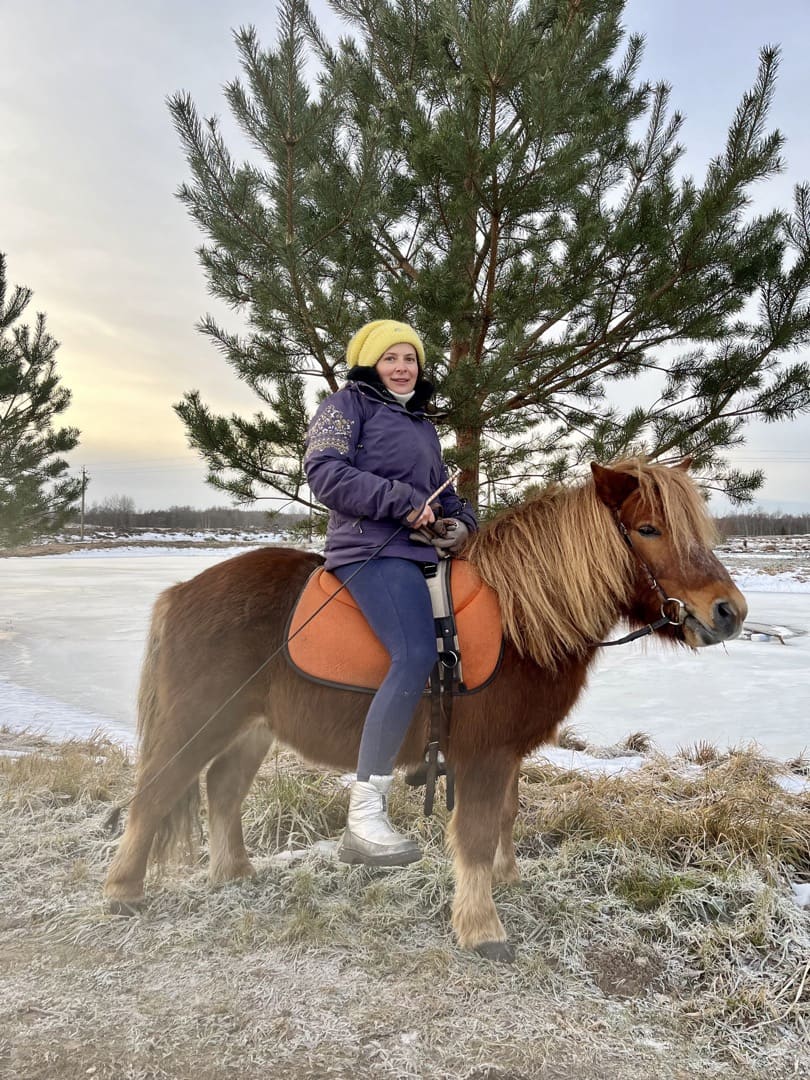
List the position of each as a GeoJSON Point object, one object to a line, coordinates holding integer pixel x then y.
{"type": "Point", "coordinates": [684, 463]}
{"type": "Point", "coordinates": [612, 485]}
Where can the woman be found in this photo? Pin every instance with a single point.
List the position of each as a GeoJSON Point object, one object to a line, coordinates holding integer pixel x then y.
{"type": "Point", "coordinates": [373, 458]}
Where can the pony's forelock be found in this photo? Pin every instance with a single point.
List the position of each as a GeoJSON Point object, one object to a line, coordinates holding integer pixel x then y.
{"type": "Point", "coordinates": [679, 500]}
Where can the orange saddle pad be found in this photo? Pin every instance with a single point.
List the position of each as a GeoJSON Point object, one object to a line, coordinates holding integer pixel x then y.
{"type": "Point", "coordinates": [339, 647]}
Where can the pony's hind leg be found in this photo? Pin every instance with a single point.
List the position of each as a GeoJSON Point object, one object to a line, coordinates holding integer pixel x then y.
{"type": "Point", "coordinates": [164, 802]}
{"type": "Point", "coordinates": [505, 869]}
{"type": "Point", "coordinates": [473, 837]}
{"type": "Point", "coordinates": [152, 804]}
{"type": "Point", "coordinates": [227, 783]}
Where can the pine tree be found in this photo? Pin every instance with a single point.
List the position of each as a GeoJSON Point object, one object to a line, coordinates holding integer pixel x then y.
{"type": "Point", "coordinates": [494, 172]}
{"type": "Point", "coordinates": [36, 495]}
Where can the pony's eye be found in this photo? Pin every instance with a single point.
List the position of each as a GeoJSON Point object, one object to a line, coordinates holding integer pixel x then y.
{"type": "Point", "coordinates": [648, 530]}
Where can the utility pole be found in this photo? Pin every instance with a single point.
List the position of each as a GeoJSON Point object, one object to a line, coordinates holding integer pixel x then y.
{"type": "Point", "coordinates": [84, 488]}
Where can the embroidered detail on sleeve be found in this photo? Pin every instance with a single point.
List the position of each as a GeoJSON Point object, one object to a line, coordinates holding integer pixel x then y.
{"type": "Point", "coordinates": [330, 430]}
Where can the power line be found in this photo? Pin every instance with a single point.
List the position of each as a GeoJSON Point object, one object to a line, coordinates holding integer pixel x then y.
{"type": "Point", "coordinates": [799, 456]}
{"type": "Point", "coordinates": [139, 470]}
{"type": "Point", "coordinates": [114, 464]}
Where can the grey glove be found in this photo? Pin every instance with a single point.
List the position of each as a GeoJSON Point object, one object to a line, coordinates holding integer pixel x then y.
{"type": "Point", "coordinates": [448, 535]}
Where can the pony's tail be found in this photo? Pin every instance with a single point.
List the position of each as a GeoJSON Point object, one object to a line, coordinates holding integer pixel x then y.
{"type": "Point", "coordinates": [177, 836]}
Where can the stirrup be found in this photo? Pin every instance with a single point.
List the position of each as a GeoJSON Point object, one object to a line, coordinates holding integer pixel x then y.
{"type": "Point", "coordinates": [417, 776]}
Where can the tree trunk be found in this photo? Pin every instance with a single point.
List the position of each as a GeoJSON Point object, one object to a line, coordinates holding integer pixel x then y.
{"type": "Point", "coordinates": [468, 443]}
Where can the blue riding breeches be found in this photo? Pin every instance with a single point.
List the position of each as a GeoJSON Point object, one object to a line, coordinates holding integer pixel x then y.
{"type": "Point", "coordinates": [393, 596]}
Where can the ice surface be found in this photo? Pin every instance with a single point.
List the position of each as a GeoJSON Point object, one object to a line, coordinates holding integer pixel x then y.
{"type": "Point", "coordinates": [744, 691]}
{"type": "Point", "coordinates": [72, 631]}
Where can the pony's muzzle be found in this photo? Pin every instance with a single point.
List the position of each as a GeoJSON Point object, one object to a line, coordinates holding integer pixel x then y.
{"type": "Point", "coordinates": [722, 622]}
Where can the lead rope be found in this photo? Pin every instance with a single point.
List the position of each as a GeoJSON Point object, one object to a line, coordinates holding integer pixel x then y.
{"type": "Point", "coordinates": [645, 631]}
{"type": "Point", "coordinates": [112, 819]}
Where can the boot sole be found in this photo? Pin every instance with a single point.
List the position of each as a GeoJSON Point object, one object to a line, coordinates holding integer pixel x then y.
{"type": "Point", "coordinates": [361, 858]}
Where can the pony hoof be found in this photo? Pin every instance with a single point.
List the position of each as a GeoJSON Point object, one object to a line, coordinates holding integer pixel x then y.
{"type": "Point", "coordinates": [500, 952]}
{"type": "Point", "coordinates": [127, 908]}
{"type": "Point", "coordinates": [244, 871]}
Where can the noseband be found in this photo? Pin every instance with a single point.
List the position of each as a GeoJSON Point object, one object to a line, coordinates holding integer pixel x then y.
{"type": "Point", "coordinates": [675, 616]}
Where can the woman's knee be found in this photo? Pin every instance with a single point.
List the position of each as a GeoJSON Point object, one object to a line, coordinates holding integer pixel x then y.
{"type": "Point", "coordinates": [416, 660]}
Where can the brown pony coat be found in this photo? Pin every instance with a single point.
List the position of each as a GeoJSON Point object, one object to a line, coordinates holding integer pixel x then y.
{"type": "Point", "coordinates": [563, 574]}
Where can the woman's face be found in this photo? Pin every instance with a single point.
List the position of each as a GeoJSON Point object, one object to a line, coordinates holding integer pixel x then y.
{"type": "Point", "coordinates": [398, 367]}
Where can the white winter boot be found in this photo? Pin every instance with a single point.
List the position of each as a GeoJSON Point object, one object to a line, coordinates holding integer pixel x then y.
{"type": "Point", "coordinates": [370, 838]}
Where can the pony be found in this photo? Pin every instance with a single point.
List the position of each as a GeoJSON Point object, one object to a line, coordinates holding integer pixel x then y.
{"type": "Point", "coordinates": [566, 566]}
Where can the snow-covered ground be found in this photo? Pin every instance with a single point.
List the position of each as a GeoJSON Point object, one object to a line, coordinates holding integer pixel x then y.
{"type": "Point", "coordinates": [100, 534]}
{"type": "Point", "coordinates": [72, 629]}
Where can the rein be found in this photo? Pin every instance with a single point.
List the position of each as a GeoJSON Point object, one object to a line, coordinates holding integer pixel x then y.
{"type": "Point", "coordinates": [675, 619]}
{"type": "Point", "coordinates": [111, 820]}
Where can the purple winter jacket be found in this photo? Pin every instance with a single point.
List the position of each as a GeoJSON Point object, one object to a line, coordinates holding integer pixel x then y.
{"type": "Point", "coordinates": [372, 461]}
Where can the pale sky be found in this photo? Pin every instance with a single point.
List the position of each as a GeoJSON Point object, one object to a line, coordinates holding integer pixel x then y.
{"type": "Point", "coordinates": [88, 219]}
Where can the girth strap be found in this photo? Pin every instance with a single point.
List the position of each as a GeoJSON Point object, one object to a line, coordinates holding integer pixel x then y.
{"type": "Point", "coordinates": [444, 677]}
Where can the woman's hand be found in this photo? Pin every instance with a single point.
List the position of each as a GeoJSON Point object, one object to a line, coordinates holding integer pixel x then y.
{"type": "Point", "coordinates": [449, 534]}
{"type": "Point", "coordinates": [417, 518]}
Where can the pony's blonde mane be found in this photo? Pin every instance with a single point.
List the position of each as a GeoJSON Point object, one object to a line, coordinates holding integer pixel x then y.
{"type": "Point", "coordinates": [560, 566]}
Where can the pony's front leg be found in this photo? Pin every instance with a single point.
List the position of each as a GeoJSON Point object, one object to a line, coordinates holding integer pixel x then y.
{"type": "Point", "coordinates": [473, 838]}
{"type": "Point", "coordinates": [505, 869]}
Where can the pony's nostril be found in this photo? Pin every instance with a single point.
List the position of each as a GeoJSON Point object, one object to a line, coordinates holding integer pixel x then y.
{"type": "Point", "coordinates": [725, 615]}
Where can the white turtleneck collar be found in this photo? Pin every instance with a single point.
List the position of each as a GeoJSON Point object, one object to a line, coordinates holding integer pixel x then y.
{"type": "Point", "coordinates": [403, 399]}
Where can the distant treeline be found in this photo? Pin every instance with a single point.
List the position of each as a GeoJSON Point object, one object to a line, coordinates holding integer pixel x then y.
{"type": "Point", "coordinates": [760, 523]}
{"type": "Point", "coordinates": [123, 516]}
{"type": "Point", "coordinates": [120, 513]}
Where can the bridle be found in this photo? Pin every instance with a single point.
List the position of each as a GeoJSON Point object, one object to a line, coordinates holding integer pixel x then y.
{"type": "Point", "coordinates": [674, 617]}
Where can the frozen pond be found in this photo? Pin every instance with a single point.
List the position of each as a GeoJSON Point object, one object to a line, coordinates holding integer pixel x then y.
{"type": "Point", "coordinates": [72, 630]}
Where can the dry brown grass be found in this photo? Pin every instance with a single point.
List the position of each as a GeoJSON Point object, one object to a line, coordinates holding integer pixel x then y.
{"type": "Point", "coordinates": [657, 938]}
{"type": "Point", "coordinates": [727, 812]}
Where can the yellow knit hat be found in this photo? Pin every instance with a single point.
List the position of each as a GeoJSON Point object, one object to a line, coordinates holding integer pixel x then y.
{"type": "Point", "coordinates": [371, 341]}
